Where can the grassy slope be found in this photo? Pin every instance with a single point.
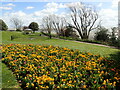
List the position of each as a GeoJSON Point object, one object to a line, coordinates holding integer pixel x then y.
{"type": "Point", "coordinates": [8, 79]}
{"type": "Point", "coordinates": [23, 39]}
{"type": "Point", "coordinates": [27, 39]}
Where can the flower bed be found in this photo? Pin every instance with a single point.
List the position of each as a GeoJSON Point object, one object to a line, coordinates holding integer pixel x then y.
{"type": "Point", "coordinates": [38, 66]}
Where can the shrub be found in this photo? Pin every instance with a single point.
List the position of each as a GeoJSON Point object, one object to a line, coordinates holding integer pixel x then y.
{"type": "Point", "coordinates": [3, 25]}
{"type": "Point", "coordinates": [34, 26]}
{"type": "Point", "coordinates": [102, 34]}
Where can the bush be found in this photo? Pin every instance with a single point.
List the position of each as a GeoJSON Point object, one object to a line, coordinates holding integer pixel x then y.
{"type": "Point", "coordinates": [34, 26]}
{"type": "Point", "coordinates": [118, 43]}
{"type": "Point", "coordinates": [102, 34]}
{"type": "Point", "coordinates": [3, 25]}
{"type": "Point", "coordinates": [18, 30]}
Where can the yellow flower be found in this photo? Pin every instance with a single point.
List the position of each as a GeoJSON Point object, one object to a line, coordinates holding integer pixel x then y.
{"type": "Point", "coordinates": [32, 84]}
{"type": "Point", "coordinates": [114, 83]}
{"type": "Point", "coordinates": [102, 72]}
{"type": "Point", "coordinates": [110, 84]}
{"type": "Point", "coordinates": [70, 81]}
{"type": "Point", "coordinates": [46, 87]}
{"type": "Point", "coordinates": [55, 75]}
{"type": "Point", "coordinates": [58, 86]}
{"type": "Point", "coordinates": [104, 82]}
{"type": "Point", "coordinates": [84, 86]}
{"type": "Point", "coordinates": [27, 84]}
{"type": "Point", "coordinates": [52, 83]}
{"type": "Point", "coordinates": [63, 80]}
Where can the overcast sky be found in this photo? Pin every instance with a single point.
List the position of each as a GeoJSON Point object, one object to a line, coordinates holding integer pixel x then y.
{"type": "Point", "coordinates": [35, 10]}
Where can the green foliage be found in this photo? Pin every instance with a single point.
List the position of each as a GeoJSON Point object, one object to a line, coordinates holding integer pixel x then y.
{"type": "Point", "coordinates": [3, 25]}
{"type": "Point", "coordinates": [102, 34]}
{"type": "Point", "coordinates": [69, 31]}
{"type": "Point", "coordinates": [118, 43]}
{"type": "Point", "coordinates": [18, 30]}
{"type": "Point", "coordinates": [34, 26]}
{"type": "Point", "coordinates": [113, 38]}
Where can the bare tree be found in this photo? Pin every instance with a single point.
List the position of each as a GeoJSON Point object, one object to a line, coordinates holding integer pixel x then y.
{"type": "Point", "coordinates": [84, 19]}
{"type": "Point", "coordinates": [17, 23]}
{"type": "Point", "coordinates": [47, 25]}
{"type": "Point", "coordinates": [59, 24]}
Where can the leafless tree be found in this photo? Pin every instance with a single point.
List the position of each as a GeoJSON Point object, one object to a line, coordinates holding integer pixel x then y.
{"type": "Point", "coordinates": [84, 19]}
{"type": "Point", "coordinates": [59, 24]}
{"type": "Point", "coordinates": [17, 23]}
{"type": "Point", "coordinates": [47, 24]}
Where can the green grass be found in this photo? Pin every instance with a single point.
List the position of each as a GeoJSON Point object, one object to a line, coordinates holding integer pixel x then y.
{"type": "Point", "coordinates": [8, 79]}
{"type": "Point", "coordinates": [36, 39]}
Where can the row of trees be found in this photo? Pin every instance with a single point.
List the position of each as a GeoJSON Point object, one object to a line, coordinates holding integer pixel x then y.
{"type": "Point", "coordinates": [111, 38]}
{"type": "Point", "coordinates": [83, 20]}
{"type": "Point", "coordinates": [18, 25]}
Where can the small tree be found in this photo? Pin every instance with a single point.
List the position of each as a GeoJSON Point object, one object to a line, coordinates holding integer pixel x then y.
{"type": "Point", "coordinates": [59, 24]}
{"type": "Point", "coordinates": [102, 34]}
{"type": "Point", "coordinates": [69, 31]}
{"type": "Point", "coordinates": [34, 26]}
{"type": "Point", "coordinates": [47, 25]}
{"type": "Point", "coordinates": [17, 23]}
{"type": "Point", "coordinates": [113, 38]}
{"type": "Point", "coordinates": [3, 25]}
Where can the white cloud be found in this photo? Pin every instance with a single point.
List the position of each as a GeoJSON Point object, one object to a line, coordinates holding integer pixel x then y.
{"type": "Point", "coordinates": [50, 8]}
{"type": "Point", "coordinates": [74, 4]}
{"type": "Point", "coordinates": [109, 17]}
{"type": "Point", "coordinates": [10, 4]}
{"type": "Point", "coordinates": [100, 4]}
{"type": "Point", "coordinates": [5, 8]}
{"type": "Point", "coordinates": [115, 3]}
{"type": "Point", "coordinates": [55, 5]}
{"type": "Point", "coordinates": [29, 7]}
{"type": "Point", "coordinates": [18, 14]}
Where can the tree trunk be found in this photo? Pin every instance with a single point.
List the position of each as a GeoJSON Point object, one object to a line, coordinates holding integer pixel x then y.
{"type": "Point", "coordinates": [85, 37]}
{"type": "Point", "coordinates": [33, 31]}
{"type": "Point", "coordinates": [50, 36]}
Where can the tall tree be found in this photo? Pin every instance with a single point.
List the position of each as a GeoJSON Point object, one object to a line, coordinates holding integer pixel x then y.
{"type": "Point", "coordinates": [3, 25]}
{"type": "Point", "coordinates": [84, 18]}
{"type": "Point", "coordinates": [59, 23]}
{"type": "Point", "coordinates": [47, 25]}
{"type": "Point", "coordinates": [34, 26]}
{"type": "Point", "coordinates": [17, 23]}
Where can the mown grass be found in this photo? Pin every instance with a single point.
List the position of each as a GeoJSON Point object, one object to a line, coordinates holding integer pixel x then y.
{"type": "Point", "coordinates": [36, 39]}
{"type": "Point", "coordinates": [8, 79]}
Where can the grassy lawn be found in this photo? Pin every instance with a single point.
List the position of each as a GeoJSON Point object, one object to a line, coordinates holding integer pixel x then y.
{"type": "Point", "coordinates": [8, 79]}
{"type": "Point", "coordinates": [36, 39]}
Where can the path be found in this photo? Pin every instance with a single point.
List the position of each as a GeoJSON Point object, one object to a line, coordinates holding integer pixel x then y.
{"type": "Point", "coordinates": [90, 43]}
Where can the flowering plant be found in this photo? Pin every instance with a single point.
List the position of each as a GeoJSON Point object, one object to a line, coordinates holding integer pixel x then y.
{"type": "Point", "coordinates": [37, 66]}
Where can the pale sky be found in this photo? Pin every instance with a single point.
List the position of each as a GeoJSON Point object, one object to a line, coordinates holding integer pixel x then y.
{"type": "Point", "coordinates": [34, 10]}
